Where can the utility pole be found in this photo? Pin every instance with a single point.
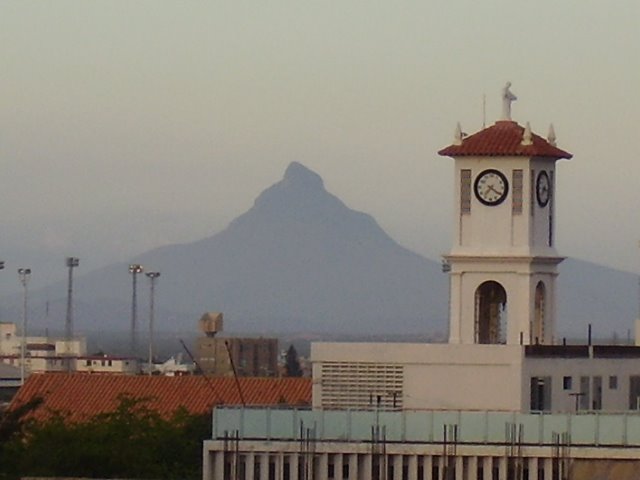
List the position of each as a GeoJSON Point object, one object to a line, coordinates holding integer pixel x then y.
{"type": "Point", "coordinates": [134, 270]}
{"type": "Point", "coordinates": [71, 263]}
{"type": "Point", "coordinates": [24, 274]}
{"type": "Point", "coordinates": [153, 276]}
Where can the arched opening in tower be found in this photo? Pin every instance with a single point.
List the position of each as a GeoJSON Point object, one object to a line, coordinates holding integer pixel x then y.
{"type": "Point", "coordinates": [537, 333]}
{"type": "Point", "coordinates": [491, 313]}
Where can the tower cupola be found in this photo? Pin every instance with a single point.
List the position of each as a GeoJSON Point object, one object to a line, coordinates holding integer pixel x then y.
{"type": "Point", "coordinates": [503, 262]}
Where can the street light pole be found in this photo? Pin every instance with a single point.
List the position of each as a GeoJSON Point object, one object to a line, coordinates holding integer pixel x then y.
{"type": "Point", "coordinates": [71, 263]}
{"type": "Point", "coordinates": [134, 270]}
{"type": "Point", "coordinates": [24, 274]}
{"type": "Point", "coordinates": [153, 276]}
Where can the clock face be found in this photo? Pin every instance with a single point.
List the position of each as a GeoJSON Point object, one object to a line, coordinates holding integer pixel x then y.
{"type": "Point", "coordinates": [543, 189]}
{"type": "Point", "coordinates": [491, 187]}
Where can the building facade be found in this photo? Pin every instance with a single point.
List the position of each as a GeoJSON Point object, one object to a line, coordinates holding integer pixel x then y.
{"type": "Point", "coordinates": [271, 444]}
{"type": "Point", "coordinates": [220, 356]}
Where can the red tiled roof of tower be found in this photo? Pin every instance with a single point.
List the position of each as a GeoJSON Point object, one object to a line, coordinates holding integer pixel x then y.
{"type": "Point", "coordinates": [81, 396]}
{"type": "Point", "coordinates": [504, 139]}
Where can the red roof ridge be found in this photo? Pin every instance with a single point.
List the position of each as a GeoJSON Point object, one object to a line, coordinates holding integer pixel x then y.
{"type": "Point", "coordinates": [504, 139]}
{"type": "Point", "coordinates": [81, 396]}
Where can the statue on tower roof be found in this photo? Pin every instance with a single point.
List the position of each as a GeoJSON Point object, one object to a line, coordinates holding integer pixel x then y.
{"type": "Point", "coordinates": [507, 98]}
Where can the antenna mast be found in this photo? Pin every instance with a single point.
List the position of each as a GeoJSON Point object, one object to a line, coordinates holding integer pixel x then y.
{"type": "Point", "coordinates": [484, 110]}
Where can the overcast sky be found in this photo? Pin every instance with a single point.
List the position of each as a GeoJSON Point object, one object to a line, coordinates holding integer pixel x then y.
{"type": "Point", "coordinates": [129, 125]}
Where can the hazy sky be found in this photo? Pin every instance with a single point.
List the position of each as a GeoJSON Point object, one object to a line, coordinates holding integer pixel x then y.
{"type": "Point", "coordinates": [129, 125]}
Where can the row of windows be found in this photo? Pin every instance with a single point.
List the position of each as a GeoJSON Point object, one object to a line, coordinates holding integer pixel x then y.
{"type": "Point", "coordinates": [567, 383]}
{"type": "Point", "coordinates": [587, 393]}
{"type": "Point", "coordinates": [104, 363]}
{"type": "Point", "coordinates": [383, 467]}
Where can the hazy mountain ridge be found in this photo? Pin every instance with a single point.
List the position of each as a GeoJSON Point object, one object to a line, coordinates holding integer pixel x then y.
{"type": "Point", "coordinates": [300, 260]}
{"type": "Point", "coordinates": [594, 294]}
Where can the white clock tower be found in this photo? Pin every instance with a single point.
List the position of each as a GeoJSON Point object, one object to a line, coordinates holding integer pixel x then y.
{"type": "Point", "coordinates": [503, 260]}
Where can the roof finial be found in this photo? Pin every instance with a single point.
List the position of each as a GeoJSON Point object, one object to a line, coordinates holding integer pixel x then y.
{"type": "Point", "coordinates": [527, 138]}
{"type": "Point", "coordinates": [457, 136]}
{"type": "Point", "coordinates": [551, 136]}
{"type": "Point", "coordinates": [507, 98]}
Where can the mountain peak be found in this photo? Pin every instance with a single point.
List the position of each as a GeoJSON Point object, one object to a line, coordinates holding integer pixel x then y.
{"type": "Point", "coordinates": [298, 174]}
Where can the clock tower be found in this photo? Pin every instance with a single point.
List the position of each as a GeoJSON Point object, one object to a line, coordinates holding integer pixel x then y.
{"type": "Point", "coordinates": [503, 261]}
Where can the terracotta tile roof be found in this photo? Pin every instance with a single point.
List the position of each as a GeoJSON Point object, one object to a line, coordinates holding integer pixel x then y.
{"type": "Point", "coordinates": [503, 139]}
{"type": "Point", "coordinates": [81, 396]}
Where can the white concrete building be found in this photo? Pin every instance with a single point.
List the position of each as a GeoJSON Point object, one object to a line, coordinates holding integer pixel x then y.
{"type": "Point", "coordinates": [502, 400]}
{"type": "Point", "coordinates": [49, 354]}
{"type": "Point", "coordinates": [11, 343]}
{"type": "Point", "coordinates": [502, 354]}
{"type": "Point", "coordinates": [364, 445]}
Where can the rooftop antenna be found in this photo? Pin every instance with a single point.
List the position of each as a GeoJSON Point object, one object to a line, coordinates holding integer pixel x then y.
{"type": "Point", "coordinates": [46, 316]}
{"type": "Point", "coordinates": [484, 110]}
{"type": "Point", "coordinates": [235, 373]}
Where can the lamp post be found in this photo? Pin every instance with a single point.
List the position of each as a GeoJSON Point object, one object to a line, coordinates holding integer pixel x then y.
{"type": "Point", "coordinates": [153, 276]}
{"type": "Point", "coordinates": [134, 270]}
{"type": "Point", "coordinates": [24, 275]}
{"type": "Point", "coordinates": [71, 263]}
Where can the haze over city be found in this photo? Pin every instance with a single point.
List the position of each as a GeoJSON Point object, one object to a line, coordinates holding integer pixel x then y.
{"type": "Point", "coordinates": [130, 125]}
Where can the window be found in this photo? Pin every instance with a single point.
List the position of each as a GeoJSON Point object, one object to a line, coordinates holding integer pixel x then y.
{"type": "Point", "coordinates": [272, 470]}
{"type": "Point", "coordinates": [613, 382]}
{"type": "Point", "coordinates": [585, 401]}
{"type": "Point", "coordinates": [596, 403]}
{"type": "Point", "coordinates": [532, 191]}
{"type": "Point", "coordinates": [516, 205]}
{"type": "Point", "coordinates": [539, 314]}
{"type": "Point", "coordinates": [634, 392]}
{"type": "Point", "coordinates": [465, 191]}
{"type": "Point", "coordinates": [540, 389]}
{"type": "Point", "coordinates": [567, 383]}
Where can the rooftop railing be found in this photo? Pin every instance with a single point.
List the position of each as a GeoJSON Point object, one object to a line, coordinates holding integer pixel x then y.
{"type": "Point", "coordinates": [588, 429]}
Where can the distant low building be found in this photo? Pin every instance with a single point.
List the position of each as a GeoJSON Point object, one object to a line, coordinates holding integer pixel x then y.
{"type": "Point", "coordinates": [106, 364]}
{"type": "Point", "coordinates": [11, 343]}
{"type": "Point", "coordinates": [218, 356]}
{"type": "Point", "coordinates": [50, 354]}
